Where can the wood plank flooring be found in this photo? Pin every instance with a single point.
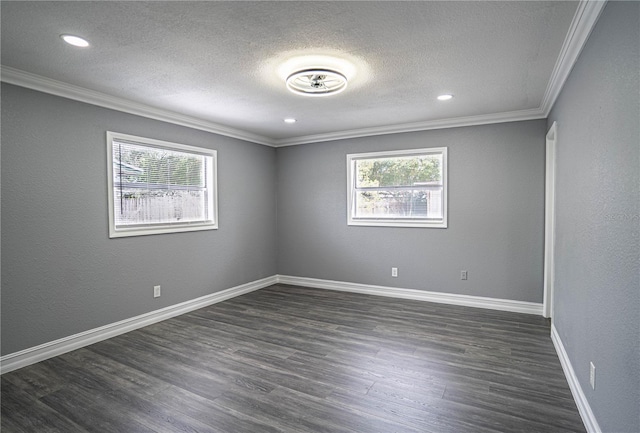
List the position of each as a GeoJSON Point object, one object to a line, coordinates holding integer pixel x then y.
{"type": "Point", "coordinates": [291, 359]}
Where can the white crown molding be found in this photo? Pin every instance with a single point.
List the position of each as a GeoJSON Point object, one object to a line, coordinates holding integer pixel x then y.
{"type": "Point", "coordinates": [47, 85]}
{"type": "Point", "coordinates": [583, 23]}
{"type": "Point", "coordinates": [584, 20]}
{"type": "Point", "coordinates": [485, 119]}
{"type": "Point", "coordinates": [416, 295]}
{"type": "Point", "coordinates": [76, 93]}
{"type": "Point", "coordinates": [588, 418]}
{"type": "Point", "coordinates": [23, 358]}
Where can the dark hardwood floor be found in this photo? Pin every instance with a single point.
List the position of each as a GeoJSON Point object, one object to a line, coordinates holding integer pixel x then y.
{"type": "Point", "coordinates": [290, 359]}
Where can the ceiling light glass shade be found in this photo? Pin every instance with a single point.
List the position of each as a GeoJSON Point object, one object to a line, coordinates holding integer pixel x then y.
{"type": "Point", "coordinates": [316, 82]}
{"type": "Point", "coordinates": [76, 41]}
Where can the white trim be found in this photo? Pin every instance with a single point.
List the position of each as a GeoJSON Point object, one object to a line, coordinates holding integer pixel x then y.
{"type": "Point", "coordinates": [352, 220]}
{"type": "Point", "coordinates": [47, 85]}
{"type": "Point", "coordinates": [588, 418]}
{"type": "Point", "coordinates": [23, 358]}
{"type": "Point", "coordinates": [32, 355]}
{"type": "Point", "coordinates": [416, 295]}
{"type": "Point", "coordinates": [211, 182]}
{"type": "Point", "coordinates": [584, 20]}
{"type": "Point", "coordinates": [485, 119]}
{"type": "Point", "coordinates": [76, 93]}
{"type": "Point", "coordinates": [549, 221]}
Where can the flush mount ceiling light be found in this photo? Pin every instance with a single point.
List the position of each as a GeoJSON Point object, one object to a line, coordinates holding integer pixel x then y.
{"type": "Point", "coordinates": [289, 120]}
{"type": "Point", "coordinates": [445, 97]}
{"type": "Point", "coordinates": [76, 41]}
{"type": "Point", "coordinates": [316, 82]}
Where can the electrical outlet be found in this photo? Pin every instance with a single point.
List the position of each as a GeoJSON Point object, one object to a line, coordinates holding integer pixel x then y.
{"type": "Point", "coordinates": [156, 291]}
{"type": "Point", "coordinates": [394, 272]}
{"type": "Point", "coordinates": [463, 275]}
{"type": "Point", "coordinates": [592, 375]}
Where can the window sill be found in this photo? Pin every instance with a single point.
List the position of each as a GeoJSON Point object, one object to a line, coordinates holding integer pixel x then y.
{"type": "Point", "coordinates": [398, 223]}
{"type": "Point", "coordinates": [142, 231]}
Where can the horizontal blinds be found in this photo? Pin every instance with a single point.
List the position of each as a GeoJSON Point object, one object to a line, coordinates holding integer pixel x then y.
{"type": "Point", "coordinates": [137, 166]}
{"type": "Point", "coordinates": [156, 185]}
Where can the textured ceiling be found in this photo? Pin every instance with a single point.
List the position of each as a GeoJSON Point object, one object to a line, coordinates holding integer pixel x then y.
{"type": "Point", "coordinates": [225, 62]}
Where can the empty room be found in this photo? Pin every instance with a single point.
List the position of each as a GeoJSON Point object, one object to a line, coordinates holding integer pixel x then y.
{"type": "Point", "coordinates": [337, 217]}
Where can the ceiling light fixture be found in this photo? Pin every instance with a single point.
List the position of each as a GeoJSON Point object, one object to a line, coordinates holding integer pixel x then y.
{"type": "Point", "coordinates": [445, 97]}
{"type": "Point", "coordinates": [316, 82]}
{"type": "Point", "coordinates": [76, 41]}
{"type": "Point", "coordinates": [289, 120]}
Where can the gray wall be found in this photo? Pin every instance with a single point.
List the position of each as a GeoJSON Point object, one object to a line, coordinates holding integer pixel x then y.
{"type": "Point", "coordinates": [61, 274]}
{"type": "Point", "coordinates": [496, 215]}
{"type": "Point", "coordinates": [597, 298]}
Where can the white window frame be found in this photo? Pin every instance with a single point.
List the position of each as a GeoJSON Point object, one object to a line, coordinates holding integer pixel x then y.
{"type": "Point", "coordinates": [151, 229]}
{"type": "Point", "coordinates": [394, 222]}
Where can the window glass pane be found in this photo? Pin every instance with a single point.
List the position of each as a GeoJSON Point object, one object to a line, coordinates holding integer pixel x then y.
{"type": "Point", "coordinates": [411, 203]}
{"type": "Point", "coordinates": [135, 164]}
{"type": "Point", "coordinates": [404, 188]}
{"type": "Point", "coordinates": [160, 187]}
{"type": "Point", "coordinates": [156, 206]}
{"type": "Point", "coordinates": [398, 171]}
{"type": "Point", "coordinates": [155, 185]}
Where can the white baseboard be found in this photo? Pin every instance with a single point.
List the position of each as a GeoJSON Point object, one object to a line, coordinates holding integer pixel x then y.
{"type": "Point", "coordinates": [23, 358]}
{"type": "Point", "coordinates": [588, 418]}
{"type": "Point", "coordinates": [14, 361]}
{"type": "Point", "coordinates": [417, 295]}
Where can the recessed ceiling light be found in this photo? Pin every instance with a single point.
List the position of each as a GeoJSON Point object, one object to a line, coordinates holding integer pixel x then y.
{"type": "Point", "coordinates": [445, 97]}
{"type": "Point", "coordinates": [76, 41]}
{"type": "Point", "coordinates": [316, 82]}
{"type": "Point", "coordinates": [289, 120]}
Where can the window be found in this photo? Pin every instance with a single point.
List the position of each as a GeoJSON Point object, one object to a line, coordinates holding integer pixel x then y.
{"type": "Point", "coordinates": [405, 188]}
{"type": "Point", "coordinates": [159, 187]}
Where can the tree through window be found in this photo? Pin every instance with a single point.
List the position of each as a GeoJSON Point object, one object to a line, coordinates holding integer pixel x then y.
{"type": "Point", "coordinates": [398, 188]}
{"type": "Point", "coordinates": [159, 187]}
